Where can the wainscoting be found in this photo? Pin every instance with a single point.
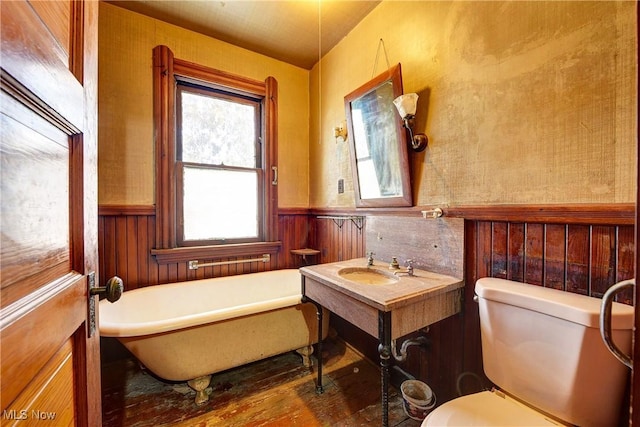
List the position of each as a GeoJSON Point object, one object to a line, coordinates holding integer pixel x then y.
{"type": "Point", "coordinates": [582, 249]}
{"type": "Point", "coordinates": [584, 259]}
{"type": "Point", "coordinates": [127, 236]}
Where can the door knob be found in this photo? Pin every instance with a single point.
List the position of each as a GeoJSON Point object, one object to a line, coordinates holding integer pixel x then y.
{"type": "Point", "coordinates": [113, 289]}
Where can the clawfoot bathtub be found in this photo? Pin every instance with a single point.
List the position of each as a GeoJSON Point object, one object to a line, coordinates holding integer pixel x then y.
{"type": "Point", "coordinates": [189, 330]}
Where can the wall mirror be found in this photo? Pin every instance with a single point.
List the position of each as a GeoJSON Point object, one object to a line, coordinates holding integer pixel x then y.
{"type": "Point", "coordinates": [378, 143]}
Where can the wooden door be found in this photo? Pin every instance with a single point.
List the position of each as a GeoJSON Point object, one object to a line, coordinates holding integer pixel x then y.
{"type": "Point", "coordinates": [50, 367]}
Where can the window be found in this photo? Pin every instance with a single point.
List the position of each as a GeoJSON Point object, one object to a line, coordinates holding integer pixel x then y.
{"type": "Point", "coordinates": [219, 167]}
{"type": "Point", "coordinates": [216, 159]}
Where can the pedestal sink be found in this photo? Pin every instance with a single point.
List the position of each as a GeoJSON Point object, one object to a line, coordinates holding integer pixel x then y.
{"type": "Point", "coordinates": [380, 303]}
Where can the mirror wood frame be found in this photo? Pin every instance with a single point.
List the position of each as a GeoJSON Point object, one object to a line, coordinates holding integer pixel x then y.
{"type": "Point", "coordinates": [394, 76]}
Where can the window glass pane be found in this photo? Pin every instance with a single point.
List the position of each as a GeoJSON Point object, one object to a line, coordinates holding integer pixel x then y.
{"type": "Point", "coordinates": [217, 131]}
{"type": "Point", "coordinates": [220, 204]}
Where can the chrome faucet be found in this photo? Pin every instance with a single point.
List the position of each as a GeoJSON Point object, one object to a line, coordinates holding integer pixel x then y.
{"type": "Point", "coordinates": [370, 259]}
{"type": "Point", "coordinates": [408, 271]}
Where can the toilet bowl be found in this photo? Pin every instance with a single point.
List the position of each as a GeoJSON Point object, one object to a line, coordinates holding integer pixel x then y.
{"type": "Point", "coordinates": [542, 348]}
{"type": "Point", "coordinates": [487, 408]}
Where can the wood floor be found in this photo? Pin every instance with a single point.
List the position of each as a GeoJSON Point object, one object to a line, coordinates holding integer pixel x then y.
{"type": "Point", "coordinates": [278, 391]}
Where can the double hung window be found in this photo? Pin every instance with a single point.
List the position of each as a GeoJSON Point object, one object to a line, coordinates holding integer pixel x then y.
{"type": "Point", "coordinates": [219, 167]}
{"type": "Point", "coordinates": [216, 161]}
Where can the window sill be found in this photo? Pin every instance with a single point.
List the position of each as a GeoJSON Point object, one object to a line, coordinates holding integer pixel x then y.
{"type": "Point", "coordinates": [167, 256]}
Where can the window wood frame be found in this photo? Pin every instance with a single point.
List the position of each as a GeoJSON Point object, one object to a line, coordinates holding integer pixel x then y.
{"type": "Point", "coordinates": [257, 104]}
{"type": "Point", "coordinates": [167, 71]}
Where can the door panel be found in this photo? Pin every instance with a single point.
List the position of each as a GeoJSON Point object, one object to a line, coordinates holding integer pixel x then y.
{"type": "Point", "coordinates": [48, 242]}
{"type": "Point", "coordinates": [33, 332]}
{"type": "Point", "coordinates": [56, 15]}
{"type": "Point", "coordinates": [52, 389]}
{"type": "Point", "coordinates": [37, 61]}
{"type": "Point", "coordinates": [35, 177]}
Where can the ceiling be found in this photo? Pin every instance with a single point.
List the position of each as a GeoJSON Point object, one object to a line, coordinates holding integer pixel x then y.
{"type": "Point", "coordinates": [296, 32]}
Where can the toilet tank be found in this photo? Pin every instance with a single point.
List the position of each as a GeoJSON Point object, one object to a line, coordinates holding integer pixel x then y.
{"type": "Point", "coordinates": [543, 346]}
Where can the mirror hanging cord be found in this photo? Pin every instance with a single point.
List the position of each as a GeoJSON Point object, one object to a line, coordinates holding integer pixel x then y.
{"type": "Point", "coordinates": [384, 49]}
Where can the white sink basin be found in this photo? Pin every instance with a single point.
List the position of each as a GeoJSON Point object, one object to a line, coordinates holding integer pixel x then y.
{"type": "Point", "coordinates": [367, 276]}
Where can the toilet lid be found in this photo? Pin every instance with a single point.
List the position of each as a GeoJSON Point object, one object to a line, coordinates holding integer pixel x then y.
{"type": "Point", "coordinates": [485, 409]}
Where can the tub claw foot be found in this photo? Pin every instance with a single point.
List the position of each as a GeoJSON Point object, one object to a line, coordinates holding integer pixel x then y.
{"type": "Point", "coordinates": [199, 385]}
{"type": "Point", "coordinates": [305, 352]}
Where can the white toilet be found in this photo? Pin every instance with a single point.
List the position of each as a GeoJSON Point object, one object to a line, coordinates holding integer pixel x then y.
{"type": "Point", "coordinates": [542, 348]}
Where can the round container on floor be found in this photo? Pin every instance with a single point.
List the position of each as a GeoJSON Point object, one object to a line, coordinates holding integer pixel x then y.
{"type": "Point", "coordinates": [418, 399]}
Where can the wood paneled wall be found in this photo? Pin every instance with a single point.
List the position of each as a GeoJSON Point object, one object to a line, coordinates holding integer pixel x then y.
{"type": "Point", "coordinates": [124, 243]}
{"type": "Point", "coordinates": [338, 238]}
{"type": "Point", "coordinates": [576, 250]}
{"type": "Point", "coordinates": [127, 235]}
{"type": "Point", "coordinates": [585, 259]}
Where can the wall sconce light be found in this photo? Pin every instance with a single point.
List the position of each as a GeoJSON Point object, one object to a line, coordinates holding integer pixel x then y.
{"type": "Point", "coordinates": [406, 105]}
{"type": "Point", "coordinates": [340, 131]}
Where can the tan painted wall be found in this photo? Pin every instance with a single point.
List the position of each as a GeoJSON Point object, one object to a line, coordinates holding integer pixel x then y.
{"type": "Point", "coordinates": [523, 102]}
{"type": "Point", "coordinates": [126, 149]}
